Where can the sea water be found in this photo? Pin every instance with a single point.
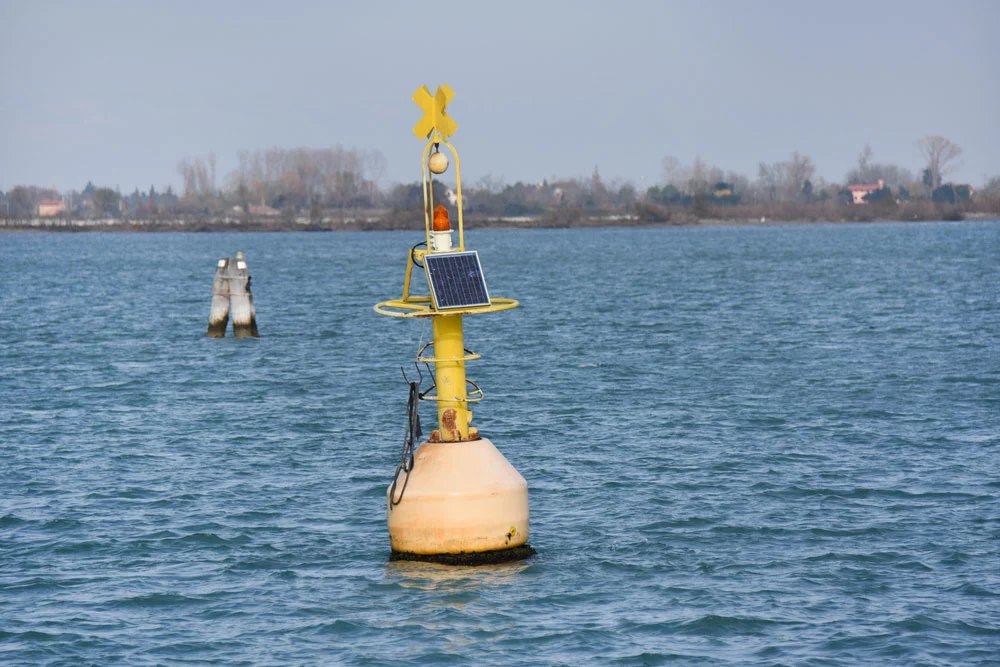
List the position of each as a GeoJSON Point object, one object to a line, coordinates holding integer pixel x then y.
{"type": "Point", "coordinates": [747, 445]}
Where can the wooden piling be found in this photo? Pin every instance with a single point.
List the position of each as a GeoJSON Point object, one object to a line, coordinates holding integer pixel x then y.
{"type": "Point", "coordinates": [218, 318]}
{"type": "Point", "coordinates": [241, 299]}
{"type": "Point", "coordinates": [232, 290]}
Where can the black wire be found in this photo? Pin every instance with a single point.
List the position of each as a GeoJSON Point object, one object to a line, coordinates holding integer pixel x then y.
{"type": "Point", "coordinates": [414, 259]}
{"type": "Point", "coordinates": [413, 434]}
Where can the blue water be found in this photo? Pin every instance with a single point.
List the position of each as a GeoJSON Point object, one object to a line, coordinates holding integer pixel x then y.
{"type": "Point", "coordinates": [748, 446]}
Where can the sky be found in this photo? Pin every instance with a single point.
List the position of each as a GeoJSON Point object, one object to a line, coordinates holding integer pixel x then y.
{"type": "Point", "coordinates": [119, 92]}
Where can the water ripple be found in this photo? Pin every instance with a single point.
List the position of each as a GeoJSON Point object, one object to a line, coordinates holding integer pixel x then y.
{"type": "Point", "coordinates": [765, 446]}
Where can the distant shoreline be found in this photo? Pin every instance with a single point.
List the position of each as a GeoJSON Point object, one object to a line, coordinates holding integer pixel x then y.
{"type": "Point", "coordinates": [413, 222]}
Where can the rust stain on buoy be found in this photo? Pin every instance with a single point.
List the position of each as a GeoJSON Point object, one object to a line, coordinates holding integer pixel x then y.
{"type": "Point", "coordinates": [449, 425]}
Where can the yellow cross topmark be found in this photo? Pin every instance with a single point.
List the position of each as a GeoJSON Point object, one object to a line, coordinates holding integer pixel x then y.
{"type": "Point", "coordinates": [434, 116]}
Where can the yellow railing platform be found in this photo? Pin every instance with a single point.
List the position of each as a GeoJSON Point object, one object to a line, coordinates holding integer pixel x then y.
{"type": "Point", "coordinates": [401, 308]}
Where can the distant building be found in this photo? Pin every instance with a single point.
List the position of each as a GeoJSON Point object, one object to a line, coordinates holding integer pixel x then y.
{"type": "Point", "coordinates": [859, 192]}
{"type": "Point", "coordinates": [50, 208]}
{"type": "Point", "coordinates": [951, 193]}
{"type": "Point", "coordinates": [87, 197]}
{"type": "Point", "coordinates": [723, 194]}
{"type": "Point", "coordinates": [264, 210]}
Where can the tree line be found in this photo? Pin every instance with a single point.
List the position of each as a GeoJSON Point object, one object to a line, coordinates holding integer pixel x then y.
{"type": "Point", "coordinates": [338, 181]}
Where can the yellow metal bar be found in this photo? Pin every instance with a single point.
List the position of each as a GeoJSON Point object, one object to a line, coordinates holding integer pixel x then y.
{"type": "Point", "coordinates": [421, 306]}
{"type": "Point", "coordinates": [471, 356]}
{"type": "Point", "coordinates": [458, 195]}
{"type": "Point", "coordinates": [427, 186]}
{"type": "Point", "coordinates": [414, 256]}
{"type": "Point", "coordinates": [453, 408]}
{"type": "Point", "coordinates": [409, 273]}
{"type": "Point", "coordinates": [428, 189]}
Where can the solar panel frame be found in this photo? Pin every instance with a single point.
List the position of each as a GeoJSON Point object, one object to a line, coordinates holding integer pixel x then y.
{"type": "Point", "coordinates": [456, 280]}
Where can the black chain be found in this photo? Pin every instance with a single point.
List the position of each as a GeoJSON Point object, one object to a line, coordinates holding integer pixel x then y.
{"type": "Point", "coordinates": [413, 434]}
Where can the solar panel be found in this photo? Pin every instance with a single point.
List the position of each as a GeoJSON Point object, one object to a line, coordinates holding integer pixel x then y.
{"type": "Point", "coordinates": [456, 280]}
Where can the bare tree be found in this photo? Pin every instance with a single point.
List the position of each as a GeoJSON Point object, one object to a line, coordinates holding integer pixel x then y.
{"type": "Point", "coordinates": [940, 154]}
{"type": "Point", "coordinates": [490, 184]}
{"type": "Point", "coordinates": [800, 169]}
{"type": "Point", "coordinates": [375, 166]}
{"type": "Point", "coordinates": [187, 173]}
{"type": "Point", "coordinates": [202, 179]}
{"type": "Point", "coordinates": [863, 172]}
{"type": "Point", "coordinates": [867, 171]}
{"type": "Point", "coordinates": [738, 182]}
{"type": "Point", "coordinates": [599, 196]}
{"type": "Point", "coordinates": [292, 178]}
{"type": "Point", "coordinates": [771, 180]}
{"type": "Point", "coordinates": [698, 179]}
{"type": "Point", "coordinates": [211, 172]}
{"type": "Point", "coordinates": [783, 181]}
{"type": "Point", "coordinates": [624, 193]}
{"type": "Point", "coordinates": [672, 171]}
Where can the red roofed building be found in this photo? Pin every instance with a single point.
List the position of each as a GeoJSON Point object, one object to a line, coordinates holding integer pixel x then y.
{"type": "Point", "coordinates": [50, 208]}
{"type": "Point", "coordinates": [859, 192]}
{"type": "Point", "coordinates": [263, 210]}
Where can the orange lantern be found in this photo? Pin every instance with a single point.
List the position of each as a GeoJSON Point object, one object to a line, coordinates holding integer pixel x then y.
{"type": "Point", "coordinates": [441, 223]}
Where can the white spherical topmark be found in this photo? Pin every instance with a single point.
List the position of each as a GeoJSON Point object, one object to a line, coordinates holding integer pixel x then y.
{"type": "Point", "coordinates": [438, 163]}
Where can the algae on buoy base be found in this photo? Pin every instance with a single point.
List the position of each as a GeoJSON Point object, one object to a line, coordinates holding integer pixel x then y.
{"type": "Point", "coordinates": [478, 558]}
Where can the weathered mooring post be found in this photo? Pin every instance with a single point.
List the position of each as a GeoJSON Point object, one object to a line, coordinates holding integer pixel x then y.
{"type": "Point", "coordinates": [219, 317]}
{"type": "Point", "coordinates": [231, 289]}
{"type": "Point", "coordinates": [241, 299]}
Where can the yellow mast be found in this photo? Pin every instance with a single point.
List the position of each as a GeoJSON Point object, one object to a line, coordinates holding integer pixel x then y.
{"type": "Point", "coordinates": [449, 353]}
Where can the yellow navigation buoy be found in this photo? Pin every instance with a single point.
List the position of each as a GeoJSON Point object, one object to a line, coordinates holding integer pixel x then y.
{"type": "Point", "coordinates": [455, 498]}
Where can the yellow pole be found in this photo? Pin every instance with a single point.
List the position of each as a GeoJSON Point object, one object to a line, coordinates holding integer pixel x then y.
{"type": "Point", "coordinates": [449, 350]}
